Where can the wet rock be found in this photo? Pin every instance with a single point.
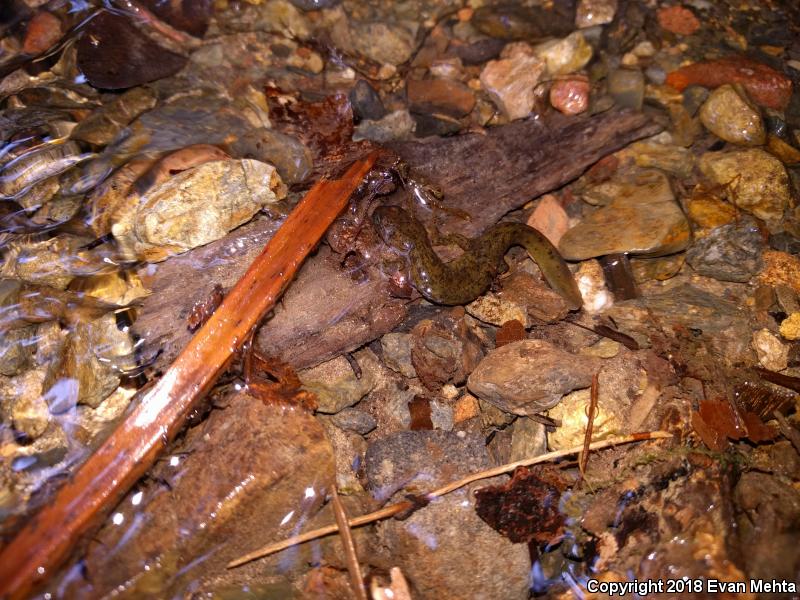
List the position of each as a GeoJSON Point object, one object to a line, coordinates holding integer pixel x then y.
{"type": "Point", "coordinates": [594, 12]}
{"type": "Point", "coordinates": [191, 17]}
{"type": "Point", "coordinates": [510, 81]}
{"type": "Point", "coordinates": [396, 349]}
{"type": "Point", "coordinates": [396, 126]}
{"type": "Point", "coordinates": [23, 404]}
{"type": "Point", "coordinates": [430, 544]}
{"type": "Point", "coordinates": [772, 353]}
{"type": "Point", "coordinates": [103, 125]}
{"type": "Point", "coordinates": [566, 55]}
{"type": "Point", "coordinates": [709, 212]}
{"type": "Point", "coordinates": [678, 19]}
{"type": "Point", "coordinates": [626, 87]}
{"type": "Point", "coordinates": [447, 68]}
{"type": "Point", "coordinates": [336, 384]}
{"type": "Point", "coordinates": [522, 297]}
{"type": "Point", "coordinates": [729, 253]}
{"type": "Point", "coordinates": [729, 116]}
{"type": "Point", "coordinates": [514, 22]}
{"type": "Point", "coordinates": [444, 96]}
{"type": "Point", "coordinates": [196, 207]}
{"type": "Point", "coordinates": [250, 472]}
{"type": "Point", "coordinates": [47, 450]}
{"type": "Point", "coordinates": [96, 353]}
{"type": "Point", "coordinates": [666, 156]}
{"type": "Point", "coordinates": [430, 125]}
{"type": "Point", "coordinates": [366, 102]}
{"type": "Point", "coordinates": [479, 51]}
{"type": "Point", "coordinates": [755, 181]}
{"type": "Point", "coordinates": [113, 54]}
{"type": "Point", "coordinates": [38, 165]}
{"type": "Point", "coordinates": [444, 350]}
{"type": "Point", "coordinates": [763, 84]}
{"type": "Point", "coordinates": [353, 419]}
{"type": "Point", "coordinates": [603, 348]}
{"type": "Point", "coordinates": [790, 327]}
{"type": "Point", "coordinates": [658, 269]}
{"type": "Point", "coordinates": [16, 349]}
{"type": "Point", "coordinates": [643, 218]}
{"type": "Point", "coordinates": [43, 31]}
{"type": "Point", "coordinates": [529, 376]}
{"type": "Point", "coordinates": [570, 95]}
{"type": "Point", "coordinates": [46, 262]}
{"type": "Point", "coordinates": [788, 154]}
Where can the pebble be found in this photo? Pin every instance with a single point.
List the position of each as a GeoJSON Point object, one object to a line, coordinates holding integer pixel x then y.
{"type": "Point", "coordinates": [396, 349]}
{"type": "Point", "coordinates": [529, 376]}
{"type": "Point", "coordinates": [788, 154]}
{"type": "Point", "coordinates": [626, 87]}
{"type": "Point", "coordinates": [549, 218]}
{"type": "Point", "coordinates": [709, 212]}
{"type": "Point", "coordinates": [432, 96]}
{"type": "Point", "coordinates": [643, 218]}
{"type": "Point", "coordinates": [466, 407]}
{"type": "Point", "coordinates": [763, 84]}
{"type": "Point", "coordinates": [522, 297]}
{"type": "Point", "coordinates": [510, 81]}
{"type": "Point", "coordinates": [594, 12]}
{"type": "Point", "coordinates": [729, 116]}
{"type": "Point", "coordinates": [397, 125]}
{"type": "Point", "coordinates": [570, 96]}
{"type": "Point", "coordinates": [366, 102]}
{"type": "Point", "coordinates": [428, 544]}
{"type": "Point", "coordinates": [444, 350]}
{"type": "Point", "coordinates": [603, 348]}
{"type": "Point", "coordinates": [514, 22]}
{"type": "Point", "coordinates": [566, 55]}
{"type": "Point", "coordinates": [756, 181]}
{"type": "Point", "coordinates": [678, 19]}
{"type": "Point", "coordinates": [353, 419]}
{"type": "Point", "coordinates": [772, 353]}
{"type": "Point", "coordinates": [385, 43]}
{"type": "Point", "coordinates": [658, 269]}
{"type": "Point", "coordinates": [665, 156]}
{"type": "Point", "coordinates": [314, 4]}
{"type": "Point", "coordinates": [47, 450]}
{"type": "Point", "coordinates": [729, 253]}
{"type": "Point", "coordinates": [335, 383]}
{"type": "Point", "coordinates": [43, 31]}
{"type": "Point", "coordinates": [790, 327]}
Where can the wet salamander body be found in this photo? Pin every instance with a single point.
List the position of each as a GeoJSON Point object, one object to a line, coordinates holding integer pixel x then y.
{"type": "Point", "coordinates": [467, 277]}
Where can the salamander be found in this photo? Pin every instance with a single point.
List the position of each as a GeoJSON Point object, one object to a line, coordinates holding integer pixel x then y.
{"type": "Point", "coordinates": [467, 277]}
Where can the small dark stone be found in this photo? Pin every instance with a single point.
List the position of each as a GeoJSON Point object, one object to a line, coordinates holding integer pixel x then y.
{"type": "Point", "coordinates": [191, 16]}
{"type": "Point", "coordinates": [314, 4]}
{"type": "Point", "coordinates": [353, 419]}
{"type": "Point", "coordinates": [729, 253]}
{"type": "Point", "coordinates": [428, 125]}
{"type": "Point", "coordinates": [479, 52]}
{"type": "Point", "coordinates": [366, 102]}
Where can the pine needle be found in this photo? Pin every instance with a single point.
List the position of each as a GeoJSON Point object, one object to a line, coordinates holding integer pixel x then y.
{"type": "Point", "coordinates": [356, 579]}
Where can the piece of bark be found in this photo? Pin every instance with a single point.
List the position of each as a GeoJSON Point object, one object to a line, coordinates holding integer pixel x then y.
{"type": "Point", "coordinates": [325, 313]}
{"type": "Point", "coordinates": [47, 538]}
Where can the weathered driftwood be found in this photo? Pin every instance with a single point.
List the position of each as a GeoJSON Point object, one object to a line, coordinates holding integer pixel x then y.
{"type": "Point", "coordinates": [46, 540]}
{"type": "Point", "coordinates": [325, 312]}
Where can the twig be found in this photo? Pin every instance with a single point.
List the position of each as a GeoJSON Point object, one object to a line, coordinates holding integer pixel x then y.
{"type": "Point", "coordinates": [47, 538]}
{"type": "Point", "coordinates": [587, 438]}
{"type": "Point", "coordinates": [394, 509]}
{"type": "Point", "coordinates": [356, 579]}
{"type": "Point", "coordinates": [789, 432]}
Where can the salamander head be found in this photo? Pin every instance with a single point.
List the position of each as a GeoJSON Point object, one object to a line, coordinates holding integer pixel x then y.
{"type": "Point", "coordinates": [395, 227]}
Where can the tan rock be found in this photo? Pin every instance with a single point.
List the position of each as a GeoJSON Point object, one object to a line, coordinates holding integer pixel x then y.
{"type": "Point", "coordinates": [566, 55]}
{"type": "Point", "coordinates": [511, 80]}
{"type": "Point", "coordinates": [772, 353]}
{"type": "Point", "coordinates": [731, 117]}
{"type": "Point", "coordinates": [595, 12]}
{"type": "Point", "coordinates": [755, 181]}
{"type": "Point", "coordinates": [447, 96]}
{"type": "Point", "coordinates": [790, 327]}
{"type": "Point", "coordinates": [196, 207]}
{"type": "Point", "coordinates": [549, 218]}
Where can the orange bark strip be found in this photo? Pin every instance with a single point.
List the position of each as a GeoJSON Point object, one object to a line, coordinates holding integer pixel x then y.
{"type": "Point", "coordinates": [45, 542]}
